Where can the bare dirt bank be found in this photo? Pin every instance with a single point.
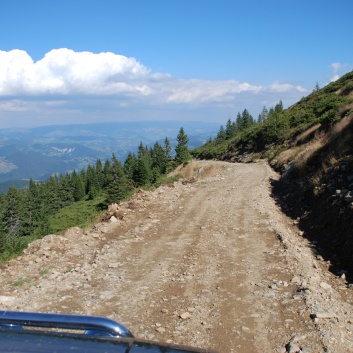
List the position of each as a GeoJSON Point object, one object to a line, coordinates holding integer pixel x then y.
{"type": "Point", "coordinates": [211, 263]}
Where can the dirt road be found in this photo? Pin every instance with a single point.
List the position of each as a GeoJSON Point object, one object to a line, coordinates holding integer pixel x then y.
{"type": "Point", "coordinates": [210, 262]}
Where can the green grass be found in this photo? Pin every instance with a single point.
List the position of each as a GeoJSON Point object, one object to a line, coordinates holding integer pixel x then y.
{"type": "Point", "coordinates": [13, 247]}
{"type": "Point", "coordinates": [44, 272]}
{"type": "Point", "coordinates": [20, 282]}
{"type": "Point", "coordinates": [165, 180]}
{"type": "Point", "coordinates": [81, 214]}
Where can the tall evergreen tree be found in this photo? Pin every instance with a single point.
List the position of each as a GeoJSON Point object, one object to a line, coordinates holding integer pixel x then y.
{"type": "Point", "coordinates": [239, 122]}
{"type": "Point", "coordinates": [159, 159]}
{"type": "Point", "coordinates": [263, 116]}
{"type": "Point", "coordinates": [143, 174]}
{"type": "Point", "coordinates": [78, 187]}
{"type": "Point", "coordinates": [221, 134]}
{"type": "Point", "coordinates": [167, 150]}
{"type": "Point", "coordinates": [182, 151]}
{"type": "Point", "coordinates": [247, 119]}
{"type": "Point", "coordinates": [117, 187]}
{"type": "Point", "coordinates": [99, 173]}
{"type": "Point", "coordinates": [50, 194]}
{"type": "Point", "coordinates": [279, 107]}
{"type": "Point", "coordinates": [31, 207]}
{"type": "Point", "coordinates": [270, 127]}
{"type": "Point", "coordinates": [13, 215]}
{"type": "Point", "coordinates": [2, 221]}
{"type": "Point", "coordinates": [106, 172]}
{"type": "Point", "coordinates": [167, 147]}
{"type": "Point", "coordinates": [130, 165]}
{"type": "Point", "coordinates": [41, 209]}
{"type": "Point", "coordinates": [65, 190]}
{"type": "Point", "coordinates": [230, 129]}
{"type": "Point", "coordinates": [92, 183]}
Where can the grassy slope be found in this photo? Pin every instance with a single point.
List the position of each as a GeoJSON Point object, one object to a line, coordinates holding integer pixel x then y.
{"type": "Point", "coordinates": [325, 107]}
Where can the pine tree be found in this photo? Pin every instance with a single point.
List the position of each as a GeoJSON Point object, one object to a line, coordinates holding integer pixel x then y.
{"type": "Point", "coordinates": [2, 222]}
{"type": "Point", "coordinates": [31, 207]}
{"type": "Point", "coordinates": [247, 119]}
{"type": "Point", "coordinates": [40, 209]}
{"type": "Point", "coordinates": [159, 159]}
{"type": "Point", "coordinates": [230, 129]}
{"type": "Point", "coordinates": [167, 150]}
{"type": "Point", "coordinates": [263, 116]}
{"type": "Point", "coordinates": [239, 122]}
{"type": "Point", "coordinates": [130, 165]}
{"type": "Point", "coordinates": [13, 214]}
{"type": "Point", "coordinates": [182, 150]}
{"type": "Point", "coordinates": [167, 147]}
{"type": "Point", "coordinates": [221, 134]}
{"type": "Point", "coordinates": [99, 173]}
{"type": "Point", "coordinates": [78, 187]}
{"type": "Point", "coordinates": [92, 183]}
{"type": "Point", "coordinates": [143, 174]}
{"type": "Point", "coordinates": [117, 187]}
{"type": "Point", "coordinates": [51, 194]}
{"type": "Point", "coordinates": [106, 173]}
{"type": "Point", "coordinates": [65, 190]}
{"type": "Point", "coordinates": [279, 107]}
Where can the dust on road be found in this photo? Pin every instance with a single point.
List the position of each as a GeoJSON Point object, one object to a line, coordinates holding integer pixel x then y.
{"type": "Point", "coordinates": [210, 262]}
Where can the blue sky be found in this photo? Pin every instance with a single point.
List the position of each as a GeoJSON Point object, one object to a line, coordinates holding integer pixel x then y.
{"type": "Point", "coordinates": [87, 61]}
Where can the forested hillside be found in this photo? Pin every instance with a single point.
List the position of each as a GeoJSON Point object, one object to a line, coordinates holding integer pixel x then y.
{"type": "Point", "coordinates": [75, 199]}
{"type": "Point", "coordinates": [311, 144]}
{"type": "Point", "coordinates": [276, 129]}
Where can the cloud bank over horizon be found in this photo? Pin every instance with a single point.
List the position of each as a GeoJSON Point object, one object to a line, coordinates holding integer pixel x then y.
{"type": "Point", "coordinates": [83, 82]}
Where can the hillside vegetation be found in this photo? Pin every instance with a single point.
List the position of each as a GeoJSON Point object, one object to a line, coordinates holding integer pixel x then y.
{"type": "Point", "coordinates": [77, 198]}
{"type": "Point", "coordinates": [311, 144]}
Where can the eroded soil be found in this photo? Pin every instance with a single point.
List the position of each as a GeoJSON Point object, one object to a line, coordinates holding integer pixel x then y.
{"type": "Point", "coordinates": [208, 262]}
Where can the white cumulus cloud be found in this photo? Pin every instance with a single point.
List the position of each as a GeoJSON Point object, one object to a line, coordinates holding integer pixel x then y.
{"type": "Point", "coordinates": [285, 87]}
{"type": "Point", "coordinates": [200, 91]}
{"type": "Point", "coordinates": [77, 86]}
{"type": "Point", "coordinates": [63, 71]}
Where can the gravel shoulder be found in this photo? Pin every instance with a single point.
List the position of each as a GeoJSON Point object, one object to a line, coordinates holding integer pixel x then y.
{"type": "Point", "coordinates": [209, 261]}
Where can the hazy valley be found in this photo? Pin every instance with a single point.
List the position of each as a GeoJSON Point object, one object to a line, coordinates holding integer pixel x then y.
{"type": "Point", "coordinates": [42, 151]}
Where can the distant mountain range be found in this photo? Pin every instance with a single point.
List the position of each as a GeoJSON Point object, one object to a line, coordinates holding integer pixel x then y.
{"type": "Point", "coordinates": [42, 151]}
